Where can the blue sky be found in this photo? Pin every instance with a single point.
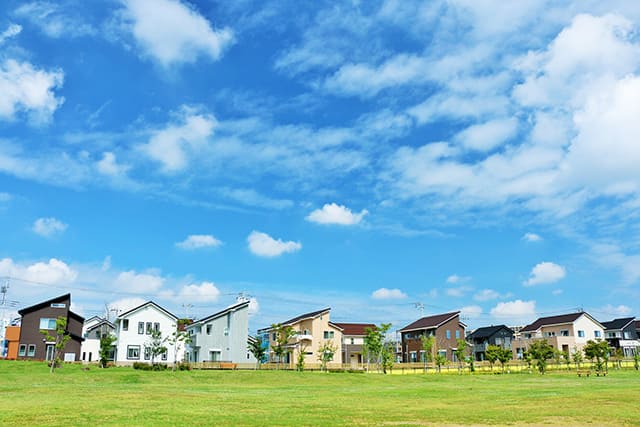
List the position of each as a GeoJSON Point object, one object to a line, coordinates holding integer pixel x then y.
{"type": "Point", "coordinates": [365, 156]}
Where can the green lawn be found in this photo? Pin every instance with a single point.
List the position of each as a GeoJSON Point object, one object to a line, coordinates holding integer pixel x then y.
{"type": "Point", "coordinates": [29, 395]}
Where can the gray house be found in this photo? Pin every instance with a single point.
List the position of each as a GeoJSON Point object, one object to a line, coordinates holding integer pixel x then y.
{"type": "Point", "coordinates": [482, 338]}
{"type": "Point", "coordinates": [221, 337]}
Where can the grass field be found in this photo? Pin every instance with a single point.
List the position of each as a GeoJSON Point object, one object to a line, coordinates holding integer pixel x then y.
{"type": "Point", "coordinates": [29, 395]}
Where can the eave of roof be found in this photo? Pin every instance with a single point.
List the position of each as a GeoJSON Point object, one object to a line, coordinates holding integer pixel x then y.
{"type": "Point", "coordinates": [43, 304]}
{"type": "Point", "coordinates": [221, 313]}
{"type": "Point", "coordinates": [431, 322]}
{"type": "Point", "coordinates": [126, 313]}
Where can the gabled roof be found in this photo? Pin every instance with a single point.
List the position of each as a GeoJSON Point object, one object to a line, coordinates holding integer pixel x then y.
{"type": "Point", "coordinates": [36, 307]}
{"type": "Point", "coordinates": [141, 306]}
{"type": "Point", "coordinates": [556, 320]}
{"type": "Point", "coordinates": [357, 329]}
{"type": "Point", "coordinates": [306, 316]}
{"type": "Point", "coordinates": [488, 331]}
{"type": "Point", "coordinates": [430, 322]}
{"type": "Point", "coordinates": [617, 324]}
{"type": "Point", "coordinates": [234, 307]}
{"type": "Point", "coordinates": [103, 322]}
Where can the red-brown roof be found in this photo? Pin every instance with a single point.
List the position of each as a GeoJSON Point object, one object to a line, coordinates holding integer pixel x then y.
{"type": "Point", "coordinates": [430, 322]}
{"type": "Point", "coordinates": [355, 328]}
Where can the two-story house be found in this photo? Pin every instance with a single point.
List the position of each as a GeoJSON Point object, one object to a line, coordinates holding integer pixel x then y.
{"type": "Point", "coordinates": [221, 337]}
{"type": "Point", "coordinates": [93, 330]}
{"type": "Point", "coordinates": [134, 330]}
{"type": "Point", "coordinates": [42, 317]}
{"type": "Point", "coordinates": [481, 338]}
{"type": "Point", "coordinates": [311, 332]}
{"type": "Point", "coordinates": [446, 328]}
{"type": "Point", "coordinates": [621, 333]}
{"type": "Point", "coordinates": [353, 341]}
{"type": "Point", "coordinates": [565, 332]}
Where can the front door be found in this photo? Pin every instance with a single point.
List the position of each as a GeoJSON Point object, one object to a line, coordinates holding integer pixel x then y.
{"type": "Point", "coordinates": [50, 352]}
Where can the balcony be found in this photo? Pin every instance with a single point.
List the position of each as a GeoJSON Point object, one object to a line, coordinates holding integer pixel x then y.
{"type": "Point", "coordinates": [304, 337]}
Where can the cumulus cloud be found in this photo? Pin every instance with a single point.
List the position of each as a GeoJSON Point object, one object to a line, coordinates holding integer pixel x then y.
{"type": "Point", "coordinates": [263, 245]}
{"type": "Point", "coordinates": [486, 295]}
{"type": "Point", "coordinates": [171, 32]}
{"type": "Point", "coordinates": [54, 272]}
{"type": "Point", "coordinates": [454, 278]}
{"type": "Point", "coordinates": [11, 31]}
{"type": "Point", "coordinates": [205, 292]}
{"type": "Point", "coordinates": [26, 89]}
{"type": "Point", "coordinates": [333, 213]}
{"type": "Point", "coordinates": [531, 237]}
{"type": "Point", "coordinates": [48, 227]}
{"type": "Point", "coordinates": [489, 135]}
{"type": "Point", "coordinates": [108, 165]}
{"type": "Point", "coordinates": [199, 241]}
{"type": "Point", "coordinates": [514, 309]}
{"type": "Point", "coordinates": [139, 282]}
{"type": "Point", "coordinates": [545, 272]}
{"type": "Point", "coordinates": [620, 310]}
{"type": "Point", "coordinates": [54, 20]}
{"type": "Point", "coordinates": [125, 304]}
{"type": "Point", "coordinates": [384, 293]}
{"type": "Point", "coordinates": [254, 306]}
{"type": "Point", "coordinates": [471, 311]}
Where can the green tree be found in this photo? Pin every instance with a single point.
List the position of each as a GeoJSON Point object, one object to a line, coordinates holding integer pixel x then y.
{"type": "Point", "coordinates": [618, 355]}
{"type": "Point", "coordinates": [460, 352]}
{"type": "Point", "coordinates": [388, 357]}
{"type": "Point", "coordinates": [566, 358]}
{"type": "Point", "coordinates": [541, 351]}
{"type": "Point", "coordinates": [504, 356]}
{"type": "Point", "coordinates": [257, 349]}
{"type": "Point", "coordinates": [557, 357]}
{"type": "Point", "coordinates": [155, 345]}
{"type": "Point", "coordinates": [598, 352]}
{"type": "Point", "coordinates": [326, 353]}
{"type": "Point", "coordinates": [60, 340]}
{"type": "Point", "coordinates": [284, 334]}
{"type": "Point", "coordinates": [178, 339]}
{"type": "Point", "coordinates": [427, 348]}
{"type": "Point", "coordinates": [106, 345]}
{"type": "Point", "coordinates": [440, 360]}
{"type": "Point", "coordinates": [577, 357]}
{"type": "Point", "coordinates": [491, 354]}
{"type": "Point", "coordinates": [636, 360]}
{"type": "Point", "coordinates": [375, 344]}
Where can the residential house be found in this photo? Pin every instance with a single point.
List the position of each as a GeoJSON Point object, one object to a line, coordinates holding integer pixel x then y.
{"type": "Point", "coordinates": [134, 330]}
{"type": "Point", "coordinates": [312, 331]}
{"type": "Point", "coordinates": [353, 341]}
{"type": "Point", "coordinates": [221, 337]}
{"type": "Point", "coordinates": [42, 317]}
{"type": "Point", "coordinates": [92, 331]}
{"type": "Point", "coordinates": [565, 332]}
{"type": "Point", "coordinates": [621, 334]}
{"type": "Point", "coordinates": [481, 338]}
{"type": "Point", "coordinates": [446, 328]}
{"type": "Point", "coordinates": [12, 342]}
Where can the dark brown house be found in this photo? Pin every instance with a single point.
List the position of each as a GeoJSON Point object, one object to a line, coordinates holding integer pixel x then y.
{"type": "Point", "coordinates": [352, 341]}
{"type": "Point", "coordinates": [446, 328]}
{"type": "Point", "coordinates": [33, 344]}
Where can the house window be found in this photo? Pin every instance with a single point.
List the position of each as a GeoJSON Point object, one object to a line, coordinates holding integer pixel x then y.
{"type": "Point", "coordinates": [498, 341]}
{"type": "Point", "coordinates": [422, 356]}
{"type": "Point", "coordinates": [442, 353]}
{"type": "Point", "coordinates": [22, 350]}
{"type": "Point", "coordinates": [457, 335]}
{"type": "Point", "coordinates": [448, 334]}
{"type": "Point", "coordinates": [225, 332]}
{"type": "Point", "coordinates": [149, 326]}
{"type": "Point", "coordinates": [46, 323]}
{"type": "Point", "coordinates": [209, 329]}
{"type": "Point", "coordinates": [164, 355]}
{"type": "Point", "coordinates": [627, 335]}
{"type": "Point", "coordinates": [352, 341]}
{"type": "Point", "coordinates": [125, 325]}
{"type": "Point", "coordinates": [527, 336]}
{"type": "Point", "coordinates": [84, 355]}
{"type": "Point", "coordinates": [413, 356]}
{"type": "Point", "coordinates": [581, 334]}
{"type": "Point", "coordinates": [328, 335]}
{"type": "Point", "coordinates": [31, 351]}
{"type": "Point", "coordinates": [147, 353]}
{"type": "Point", "coordinates": [141, 328]}
{"type": "Point", "coordinates": [564, 333]}
{"type": "Point", "coordinates": [597, 334]}
{"type": "Point", "coordinates": [156, 327]}
{"type": "Point", "coordinates": [133, 352]}
{"type": "Point", "coordinates": [98, 334]}
{"type": "Point", "coordinates": [275, 337]}
{"type": "Point", "coordinates": [550, 334]}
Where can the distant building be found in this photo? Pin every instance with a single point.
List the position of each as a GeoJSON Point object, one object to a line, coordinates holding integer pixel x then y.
{"type": "Point", "coordinates": [621, 334]}
{"type": "Point", "coordinates": [353, 341]}
{"type": "Point", "coordinates": [446, 328]}
{"type": "Point", "coordinates": [42, 316]}
{"type": "Point", "coordinates": [93, 330]}
{"type": "Point", "coordinates": [481, 338]}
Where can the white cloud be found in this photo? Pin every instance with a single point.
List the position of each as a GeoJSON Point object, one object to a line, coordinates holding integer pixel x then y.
{"type": "Point", "coordinates": [486, 295]}
{"type": "Point", "coordinates": [454, 278]}
{"type": "Point", "coordinates": [333, 213]}
{"type": "Point", "coordinates": [108, 165]}
{"type": "Point", "coordinates": [29, 90]}
{"type": "Point", "coordinates": [471, 311]}
{"type": "Point", "coordinates": [53, 20]}
{"type": "Point", "coordinates": [172, 145]}
{"type": "Point", "coordinates": [514, 309]}
{"type": "Point", "coordinates": [612, 256]}
{"type": "Point", "coordinates": [263, 245]}
{"type": "Point", "coordinates": [205, 292]}
{"type": "Point", "coordinates": [384, 293]}
{"type": "Point", "coordinates": [458, 292]}
{"type": "Point", "coordinates": [545, 272]}
{"type": "Point", "coordinates": [620, 310]}
{"type": "Point", "coordinates": [531, 237]}
{"type": "Point", "coordinates": [11, 31]}
{"type": "Point", "coordinates": [254, 306]}
{"type": "Point", "coordinates": [557, 292]}
{"type": "Point", "coordinates": [54, 272]}
{"type": "Point", "coordinates": [199, 241]}
{"type": "Point", "coordinates": [125, 304]}
{"type": "Point", "coordinates": [171, 32]}
{"type": "Point", "coordinates": [48, 227]}
{"type": "Point", "coordinates": [489, 135]}
{"type": "Point", "coordinates": [133, 282]}
{"type": "Point", "coordinates": [250, 197]}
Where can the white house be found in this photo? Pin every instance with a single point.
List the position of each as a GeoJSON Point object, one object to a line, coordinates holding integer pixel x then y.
{"type": "Point", "coordinates": [92, 330]}
{"type": "Point", "coordinates": [134, 330]}
{"type": "Point", "coordinates": [221, 337]}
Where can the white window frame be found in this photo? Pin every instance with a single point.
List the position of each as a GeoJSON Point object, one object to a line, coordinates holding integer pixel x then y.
{"type": "Point", "coordinates": [140, 328]}
{"type": "Point", "coordinates": [31, 350]}
{"type": "Point", "coordinates": [129, 349]}
{"type": "Point", "coordinates": [48, 321]}
{"type": "Point", "coordinates": [22, 350]}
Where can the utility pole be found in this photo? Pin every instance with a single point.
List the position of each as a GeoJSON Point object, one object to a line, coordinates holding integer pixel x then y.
{"type": "Point", "coordinates": [4, 288]}
{"type": "Point", "coordinates": [186, 309]}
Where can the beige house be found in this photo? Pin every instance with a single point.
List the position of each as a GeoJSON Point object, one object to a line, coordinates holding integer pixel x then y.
{"type": "Point", "coordinates": [311, 332]}
{"type": "Point", "coordinates": [565, 332]}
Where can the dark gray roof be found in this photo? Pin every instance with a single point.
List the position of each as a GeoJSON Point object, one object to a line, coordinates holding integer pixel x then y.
{"type": "Point", "coordinates": [311, 315]}
{"type": "Point", "coordinates": [618, 323]}
{"type": "Point", "coordinates": [430, 322]}
{"type": "Point", "coordinates": [488, 331]}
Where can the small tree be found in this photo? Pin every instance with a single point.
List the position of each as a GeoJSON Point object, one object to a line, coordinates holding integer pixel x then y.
{"type": "Point", "coordinates": [257, 349]}
{"type": "Point", "coordinates": [577, 357]}
{"type": "Point", "coordinates": [326, 353]}
{"type": "Point", "coordinates": [283, 336]}
{"type": "Point", "coordinates": [375, 344]}
{"type": "Point", "coordinates": [427, 348]}
{"type": "Point", "coordinates": [618, 356]}
{"type": "Point", "coordinates": [440, 360]}
{"type": "Point", "coordinates": [541, 351]}
{"type": "Point", "coordinates": [491, 354]}
{"type": "Point", "coordinates": [461, 349]}
{"type": "Point", "coordinates": [528, 358]}
{"type": "Point", "coordinates": [106, 344]}
{"type": "Point", "coordinates": [388, 356]}
{"type": "Point", "coordinates": [155, 345]}
{"type": "Point", "coordinates": [504, 356]}
{"type": "Point", "coordinates": [177, 339]}
{"type": "Point", "coordinates": [566, 358]}
{"type": "Point", "coordinates": [598, 351]}
{"type": "Point", "coordinates": [557, 357]}
{"type": "Point", "coordinates": [60, 340]}
{"type": "Point", "coordinates": [636, 360]}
